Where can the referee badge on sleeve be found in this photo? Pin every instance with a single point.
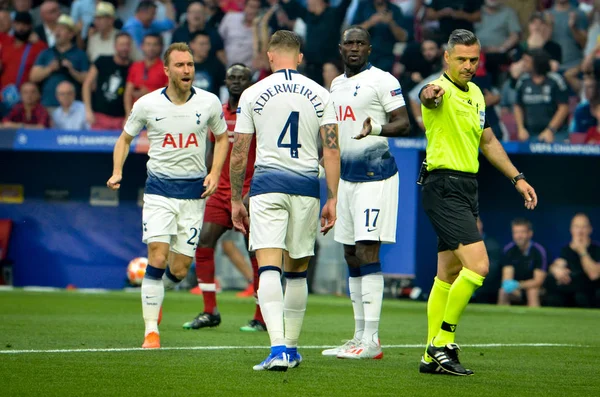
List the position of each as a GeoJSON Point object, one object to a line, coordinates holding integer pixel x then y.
{"type": "Point", "coordinates": [482, 119]}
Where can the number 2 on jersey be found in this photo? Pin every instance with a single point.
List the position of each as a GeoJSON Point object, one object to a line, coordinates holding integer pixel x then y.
{"type": "Point", "coordinates": [292, 125]}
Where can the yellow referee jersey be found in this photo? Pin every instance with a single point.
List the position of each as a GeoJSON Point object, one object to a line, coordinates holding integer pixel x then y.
{"type": "Point", "coordinates": [454, 128]}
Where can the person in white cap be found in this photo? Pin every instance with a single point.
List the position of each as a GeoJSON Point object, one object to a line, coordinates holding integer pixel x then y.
{"type": "Point", "coordinates": [102, 40]}
{"type": "Point", "coordinates": [61, 62]}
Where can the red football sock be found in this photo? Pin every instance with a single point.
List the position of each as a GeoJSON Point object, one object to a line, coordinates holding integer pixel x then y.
{"type": "Point", "coordinates": [205, 272]}
{"type": "Point", "coordinates": [257, 314]}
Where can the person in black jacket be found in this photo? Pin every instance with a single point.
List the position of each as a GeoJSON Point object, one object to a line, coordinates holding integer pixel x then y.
{"type": "Point", "coordinates": [323, 25]}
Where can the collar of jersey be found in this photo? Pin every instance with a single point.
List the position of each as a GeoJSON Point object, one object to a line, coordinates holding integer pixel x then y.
{"type": "Point", "coordinates": [456, 85]}
{"type": "Point", "coordinates": [287, 72]}
{"type": "Point", "coordinates": [366, 67]}
{"type": "Point", "coordinates": [164, 92]}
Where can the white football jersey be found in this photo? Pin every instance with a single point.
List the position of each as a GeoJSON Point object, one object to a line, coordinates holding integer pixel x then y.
{"type": "Point", "coordinates": [177, 135]}
{"type": "Point", "coordinates": [371, 93]}
{"type": "Point", "coordinates": [286, 110]}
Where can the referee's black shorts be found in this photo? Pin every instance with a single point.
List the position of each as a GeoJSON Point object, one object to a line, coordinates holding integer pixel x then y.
{"type": "Point", "coordinates": [450, 200]}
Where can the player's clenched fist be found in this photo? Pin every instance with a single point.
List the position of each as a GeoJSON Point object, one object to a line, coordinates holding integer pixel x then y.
{"type": "Point", "coordinates": [432, 92]}
{"type": "Point", "coordinates": [114, 182]}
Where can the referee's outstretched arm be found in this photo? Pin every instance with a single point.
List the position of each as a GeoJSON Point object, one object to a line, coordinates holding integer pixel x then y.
{"type": "Point", "coordinates": [492, 149]}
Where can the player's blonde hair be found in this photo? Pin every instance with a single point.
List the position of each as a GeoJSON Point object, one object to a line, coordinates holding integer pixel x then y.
{"type": "Point", "coordinates": [285, 40]}
{"type": "Point", "coordinates": [183, 47]}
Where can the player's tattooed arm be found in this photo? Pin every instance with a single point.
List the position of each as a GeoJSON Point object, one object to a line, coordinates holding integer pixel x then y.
{"type": "Point", "coordinates": [331, 157]}
{"type": "Point", "coordinates": [239, 159]}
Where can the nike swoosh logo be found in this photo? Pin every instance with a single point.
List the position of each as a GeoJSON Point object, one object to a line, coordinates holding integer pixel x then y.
{"type": "Point", "coordinates": [162, 118]}
{"type": "Point", "coordinates": [150, 297]}
{"type": "Point", "coordinates": [371, 230]}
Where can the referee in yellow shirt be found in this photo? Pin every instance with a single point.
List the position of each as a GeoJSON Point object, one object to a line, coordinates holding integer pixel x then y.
{"type": "Point", "coordinates": [456, 128]}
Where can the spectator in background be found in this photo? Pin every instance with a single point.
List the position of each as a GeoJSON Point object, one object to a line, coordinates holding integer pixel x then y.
{"type": "Point", "coordinates": [569, 30]}
{"type": "Point", "coordinates": [539, 37]}
{"type": "Point", "coordinates": [146, 75]}
{"type": "Point", "coordinates": [17, 57]}
{"type": "Point", "coordinates": [210, 72]}
{"type": "Point", "coordinates": [49, 13]}
{"type": "Point", "coordinates": [524, 10]}
{"type": "Point", "coordinates": [195, 21]}
{"type": "Point", "coordinates": [70, 115]}
{"type": "Point", "coordinates": [583, 119]}
{"type": "Point", "coordinates": [5, 25]}
{"type": "Point", "coordinates": [102, 41]}
{"type": "Point", "coordinates": [574, 275]}
{"type": "Point", "coordinates": [29, 113]}
{"type": "Point", "coordinates": [499, 32]}
{"type": "Point", "coordinates": [22, 6]}
{"type": "Point", "coordinates": [418, 62]}
{"type": "Point", "coordinates": [524, 267]}
{"type": "Point", "coordinates": [104, 87]}
{"type": "Point", "coordinates": [61, 62]}
{"type": "Point", "coordinates": [541, 107]}
{"type": "Point", "coordinates": [214, 13]}
{"type": "Point", "coordinates": [331, 70]}
{"type": "Point", "coordinates": [382, 19]}
{"type": "Point", "coordinates": [453, 14]}
{"type": "Point", "coordinates": [143, 23]}
{"type": "Point", "coordinates": [323, 27]}
{"type": "Point", "coordinates": [236, 31]}
{"type": "Point", "coordinates": [492, 97]}
{"type": "Point", "coordinates": [82, 13]}
{"type": "Point", "coordinates": [593, 133]}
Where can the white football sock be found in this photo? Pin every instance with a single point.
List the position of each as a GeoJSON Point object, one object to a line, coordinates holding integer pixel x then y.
{"type": "Point", "coordinates": [270, 296]}
{"type": "Point", "coordinates": [372, 297]}
{"type": "Point", "coordinates": [294, 307]}
{"type": "Point", "coordinates": [153, 293]}
{"type": "Point", "coordinates": [355, 286]}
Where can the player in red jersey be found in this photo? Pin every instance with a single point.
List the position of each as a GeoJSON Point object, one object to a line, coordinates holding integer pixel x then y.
{"type": "Point", "coordinates": [217, 216]}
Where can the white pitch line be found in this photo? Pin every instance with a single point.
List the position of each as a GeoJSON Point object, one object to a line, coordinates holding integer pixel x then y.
{"type": "Point", "coordinates": [133, 349]}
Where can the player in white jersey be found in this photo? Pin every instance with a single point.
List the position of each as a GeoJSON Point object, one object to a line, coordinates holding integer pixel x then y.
{"type": "Point", "coordinates": [370, 108]}
{"type": "Point", "coordinates": [287, 111]}
{"type": "Point", "coordinates": [177, 118]}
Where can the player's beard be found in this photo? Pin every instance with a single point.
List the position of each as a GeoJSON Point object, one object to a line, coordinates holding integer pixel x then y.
{"type": "Point", "coordinates": [181, 87]}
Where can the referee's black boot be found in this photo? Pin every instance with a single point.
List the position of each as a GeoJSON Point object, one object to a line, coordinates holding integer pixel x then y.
{"type": "Point", "coordinates": [447, 358]}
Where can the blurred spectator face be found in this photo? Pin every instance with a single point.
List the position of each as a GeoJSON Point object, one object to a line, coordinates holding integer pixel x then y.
{"type": "Point", "coordinates": [430, 50]}
{"type": "Point", "coordinates": [146, 16]}
{"type": "Point", "coordinates": [29, 94]}
{"type": "Point", "coordinates": [195, 14]}
{"type": "Point", "coordinates": [200, 45]}
{"type": "Point", "coordinates": [22, 5]}
{"type": "Point", "coordinates": [537, 26]}
{"type": "Point", "coordinates": [521, 235]}
{"type": "Point", "coordinates": [251, 9]}
{"type": "Point", "coordinates": [65, 93]}
{"type": "Point", "coordinates": [123, 47]}
{"type": "Point", "coordinates": [63, 34]}
{"type": "Point", "coordinates": [104, 24]}
{"type": "Point", "coordinates": [314, 5]}
{"type": "Point", "coordinates": [330, 72]}
{"type": "Point", "coordinates": [21, 31]}
{"type": "Point", "coordinates": [589, 86]}
{"type": "Point", "coordinates": [151, 47]}
{"type": "Point", "coordinates": [50, 12]}
{"type": "Point", "coordinates": [5, 21]}
{"type": "Point", "coordinates": [581, 229]}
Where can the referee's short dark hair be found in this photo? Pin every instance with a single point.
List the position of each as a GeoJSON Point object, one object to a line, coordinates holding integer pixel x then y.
{"type": "Point", "coordinates": [522, 222]}
{"type": "Point", "coordinates": [462, 37]}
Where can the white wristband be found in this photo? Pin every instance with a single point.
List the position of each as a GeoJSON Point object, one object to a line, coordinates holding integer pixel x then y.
{"type": "Point", "coordinates": [375, 128]}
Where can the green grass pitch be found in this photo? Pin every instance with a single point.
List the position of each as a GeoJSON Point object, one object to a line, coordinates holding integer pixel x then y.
{"type": "Point", "coordinates": [499, 344]}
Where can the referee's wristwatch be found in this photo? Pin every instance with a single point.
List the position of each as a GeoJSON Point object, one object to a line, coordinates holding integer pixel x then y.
{"type": "Point", "coordinates": [518, 178]}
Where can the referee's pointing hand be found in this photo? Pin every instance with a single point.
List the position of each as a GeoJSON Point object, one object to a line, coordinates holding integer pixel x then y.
{"type": "Point", "coordinates": [433, 91]}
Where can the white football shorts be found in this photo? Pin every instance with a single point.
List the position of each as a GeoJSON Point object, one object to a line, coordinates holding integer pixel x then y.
{"type": "Point", "coordinates": [289, 222]}
{"type": "Point", "coordinates": [173, 221]}
{"type": "Point", "coordinates": [367, 211]}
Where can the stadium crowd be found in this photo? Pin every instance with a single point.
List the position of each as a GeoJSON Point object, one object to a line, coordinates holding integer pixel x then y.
{"type": "Point", "coordinates": [82, 64]}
